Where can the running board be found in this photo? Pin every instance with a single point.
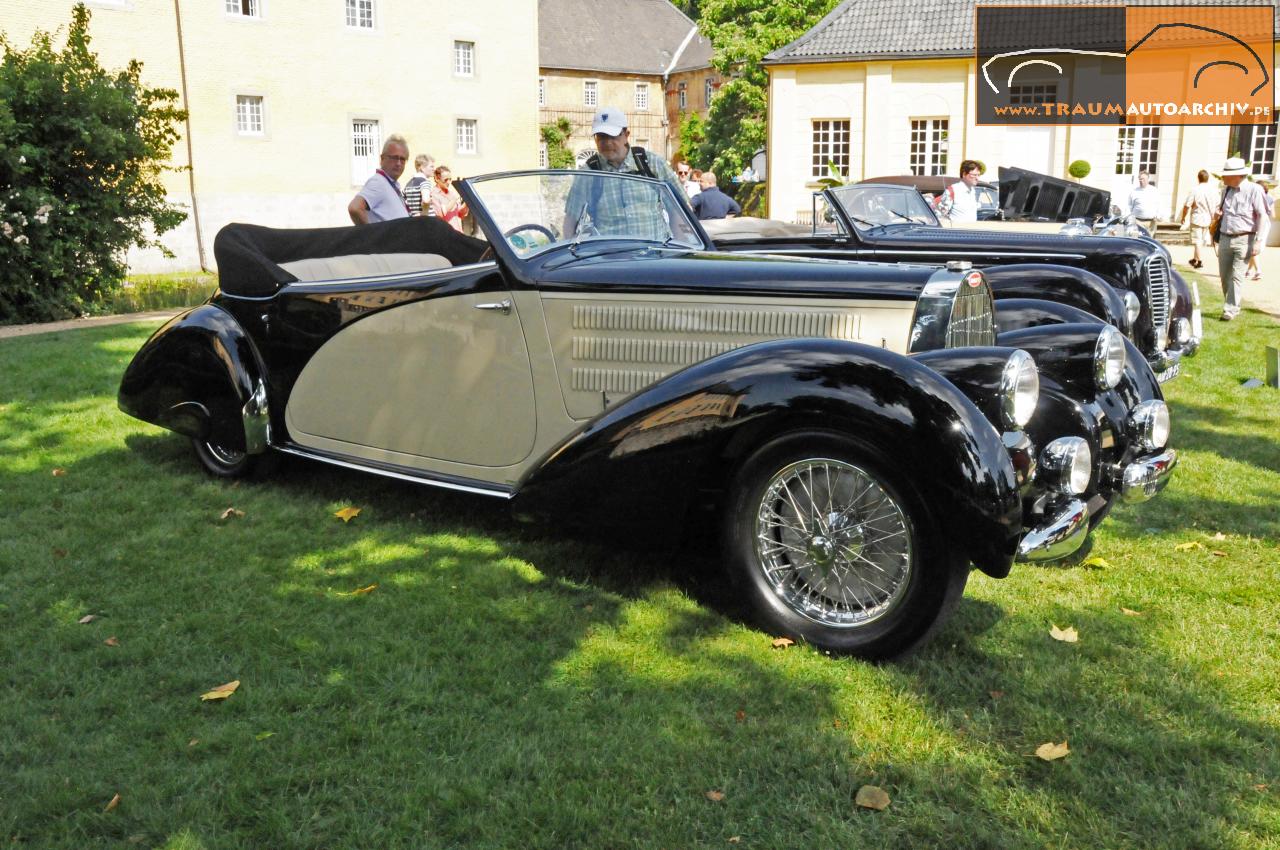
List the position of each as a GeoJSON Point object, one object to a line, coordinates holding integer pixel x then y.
{"type": "Point", "coordinates": [405, 473]}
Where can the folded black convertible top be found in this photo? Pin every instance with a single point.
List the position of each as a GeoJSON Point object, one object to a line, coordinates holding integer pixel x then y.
{"type": "Point", "coordinates": [249, 255]}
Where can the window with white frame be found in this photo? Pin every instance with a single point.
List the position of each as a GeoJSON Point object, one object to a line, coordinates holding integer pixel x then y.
{"type": "Point", "coordinates": [542, 155]}
{"type": "Point", "coordinates": [708, 89]}
{"type": "Point", "coordinates": [590, 93]}
{"type": "Point", "coordinates": [1137, 149]}
{"type": "Point", "coordinates": [929, 146]}
{"type": "Point", "coordinates": [542, 91]}
{"type": "Point", "coordinates": [245, 8]}
{"type": "Point", "coordinates": [466, 135]}
{"type": "Point", "coordinates": [464, 58]}
{"type": "Point", "coordinates": [1262, 150]}
{"type": "Point", "coordinates": [682, 95]}
{"type": "Point", "coordinates": [249, 115]}
{"type": "Point", "coordinates": [830, 145]}
{"type": "Point", "coordinates": [366, 145]}
{"type": "Point", "coordinates": [642, 96]}
{"type": "Point", "coordinates": [360, 14]}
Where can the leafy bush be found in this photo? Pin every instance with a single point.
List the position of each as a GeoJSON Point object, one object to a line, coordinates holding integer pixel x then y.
{"type": "Point", "coordinates": [81, 153]}
{"type": "Point", "coordinates": [693, 132]}
{"type": "Point", "coordinates": [555, 135]}
{"type": "Point", "coordinates": [1079, 169]}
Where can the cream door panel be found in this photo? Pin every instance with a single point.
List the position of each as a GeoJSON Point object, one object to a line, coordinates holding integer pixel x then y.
{"type": "Point", "coordinates": [432, 384]}
{"type": "Point", "coordinates": [607, 347]}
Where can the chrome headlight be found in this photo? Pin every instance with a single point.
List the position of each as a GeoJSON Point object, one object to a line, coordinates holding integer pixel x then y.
{"type": "Point", "coordinates": [1108, 358]}
{"type": "Point", "coordinates": [1181, 331]}
{"type": "Point", "coordinates": [1019, 390]}
{"type": "Point", "coordinates": [1132, 307]}
{"type": "Point", "coordinates": [1149, 424]}
{"type": "Point", "coordinates": [1066, 465]}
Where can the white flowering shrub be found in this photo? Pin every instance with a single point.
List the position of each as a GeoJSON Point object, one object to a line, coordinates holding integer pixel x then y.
{"type": "Point", "coordinates": [81, 154]}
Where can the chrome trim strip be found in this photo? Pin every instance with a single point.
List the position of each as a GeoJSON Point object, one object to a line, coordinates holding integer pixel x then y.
{"type": "Point", "coordinates": [381, 280]}
{"type": "Point", "coordinates": [1063, 534]}
{"type": "Point", "coordinates": [949, 253]}
{"type": "Point", "coordinates": [425, 478]}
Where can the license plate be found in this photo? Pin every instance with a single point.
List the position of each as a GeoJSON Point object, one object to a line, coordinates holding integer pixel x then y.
{"type": "Point", "coordinates": [1168, 374]}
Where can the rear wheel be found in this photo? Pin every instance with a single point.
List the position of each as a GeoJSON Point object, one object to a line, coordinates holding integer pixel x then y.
{"type": "Point", "coordinates": [222, 462]}
{"type": "Point", "coordinates": [832, 550]}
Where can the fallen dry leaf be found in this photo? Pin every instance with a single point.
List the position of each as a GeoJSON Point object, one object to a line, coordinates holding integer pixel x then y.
{"type": "Point", "coordinates": [359, 591]}
{"type": "Point", "coordinates": [59, 553]}
{"type": "Point", "coordinates": [740, 716]}
{"type": "Point", "coordinates": [1219, 554]}
{"type": "Point", "coordinates": [871, 797]}
{"type": "Point", "coordinates": [1052, 751]}
{"type": "Point", "coordinates": [735, 839]}
{"type": "Point", "coordinates": [112, 641]}
{"type": "Point", "coordinates": [588, 607]}
{"type": "Point", "coordinates": [1095, 561]}
{"type": "Point", "coordinates": [996, 694]}
{"type": "Point", "coordinates": [783, 642]}
{"type": "Point", "coordinates": [715, 796]}
{"type": "Point", "coordinates": [1067, 635]}
{"type": "Point", "coordinates": [58, 472]}
{"type": "Point", "coordinates": [1132, 613]}
{"type": "Point", "coordinates": [221, 692]}
{"type": "Point", "coordinates": [347, 514]}
{"type": "Point", "coordinates": [1190, 544]}
{"type": "Point", "coordinates": [193, 742]}
{"type": "Point", "coordinates": [115, 801]}
{"type": "Point", "coordinates": [87, 619]}
{"type": "Point", "coordinates": [231, 512]}
{"type": "Point", "coordinates": [1219, 536]}
{"type": "Point", "coordinates": [837, 724]}
{"type": "Point", "coordinates": [1261, 786]}
{"type": "Point", "coordinates": [262, 736]}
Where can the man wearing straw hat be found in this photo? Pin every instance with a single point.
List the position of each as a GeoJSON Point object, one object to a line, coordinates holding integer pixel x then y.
{"type": "Point", "coordinates": [1242, 231]}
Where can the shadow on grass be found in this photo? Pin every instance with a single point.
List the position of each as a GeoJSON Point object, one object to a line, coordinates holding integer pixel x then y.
{"type": "Point", "coordinates": [1252, 439]}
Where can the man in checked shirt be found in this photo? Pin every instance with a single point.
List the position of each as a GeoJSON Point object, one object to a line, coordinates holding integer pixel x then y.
{"type": "Point", "coordinates": [1243, 225]}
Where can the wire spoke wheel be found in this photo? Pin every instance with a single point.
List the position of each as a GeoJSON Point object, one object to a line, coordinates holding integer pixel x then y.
{"type": "Point", "coordinates": [833, 543]}
{"type": "Point", "coordinates": [225, 456]}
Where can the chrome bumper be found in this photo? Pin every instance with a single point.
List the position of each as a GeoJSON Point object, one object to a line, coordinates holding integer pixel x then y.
{"type": "Point", "coordinates": [1165, 362]}
{"type": "Point", "coordinates": [1059, 536]}
{"type": "Point", "coordinates": [1147, 476]}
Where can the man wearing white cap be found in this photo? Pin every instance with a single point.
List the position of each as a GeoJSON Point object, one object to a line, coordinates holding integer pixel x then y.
{"type": "Point", "coordinates": [615, 154]}
{"type": "Point", "coordinates": [1243, 224]}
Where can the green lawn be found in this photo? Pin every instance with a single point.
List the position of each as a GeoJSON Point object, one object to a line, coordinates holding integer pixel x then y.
{"type": "Point", "coordinates": [503, 688]}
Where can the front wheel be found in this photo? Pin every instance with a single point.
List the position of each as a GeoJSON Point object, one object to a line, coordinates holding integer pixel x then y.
{"type": "Point", "coordinates": [222, 462]}
{"type": "Point", "coordinates": [831, 550]}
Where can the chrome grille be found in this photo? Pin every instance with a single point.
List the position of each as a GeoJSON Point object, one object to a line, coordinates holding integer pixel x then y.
{"type": "Point", "coordinates": [1157, 274]}
{"type": "Point", "coordinates": [972, 317]}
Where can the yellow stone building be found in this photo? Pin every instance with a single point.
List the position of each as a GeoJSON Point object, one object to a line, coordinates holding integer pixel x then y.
{"type": "Point", "coordinates": [890, 89]}
{"type": "Point", "coordinates": [290, 100]}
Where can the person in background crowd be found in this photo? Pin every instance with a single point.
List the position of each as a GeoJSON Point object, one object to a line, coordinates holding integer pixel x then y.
{"type": "Point", "coordinates": [1253, 272]}
{"type": "Point", "coordinates": [1243, 225]}
{"type": "Point", "coordinates": [711, 202]}
{"type": "Point", "coordinates": [1200, 203]}
{"type": "Point", "coordinates": [958, 202]}
{"type": "Point", "coordinates": [379, 199]}
{"type": "Point", "coordinates": [1144, 203]}
{"type": "Point", "coordinates": [425, 166]}
{"type": "Point", "coordinates": [687, 180]}
{"type": "Point", "coordinates": [446, 203]}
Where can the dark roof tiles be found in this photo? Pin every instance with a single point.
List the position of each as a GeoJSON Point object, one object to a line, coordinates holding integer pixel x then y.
{"type": "Point", "coordinates": [620, 36]}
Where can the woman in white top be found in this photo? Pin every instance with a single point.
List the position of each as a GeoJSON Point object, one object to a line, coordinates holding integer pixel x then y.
{"type": "Point", "coordinates": [1200, 202]}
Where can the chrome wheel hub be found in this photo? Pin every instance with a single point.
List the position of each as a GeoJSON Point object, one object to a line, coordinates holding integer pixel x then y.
{"type": "Point", "coordinates": [832, 542]}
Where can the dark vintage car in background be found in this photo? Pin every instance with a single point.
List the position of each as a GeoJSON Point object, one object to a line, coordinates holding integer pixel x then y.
{"type": "Point", "coordinates": [1129, 283]}
{"type": "Point", "coordinates": [858, 431]}
{"type": "Point", "coordinates": [930, 187]}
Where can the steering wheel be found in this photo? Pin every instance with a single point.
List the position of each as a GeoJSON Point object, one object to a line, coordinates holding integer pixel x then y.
{"type": "Point", "coordinates": [537, 228]}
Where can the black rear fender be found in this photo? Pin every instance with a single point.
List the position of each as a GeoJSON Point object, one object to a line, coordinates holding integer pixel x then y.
{"type": "Point", "coordinates": [200, 375]}
{"type": "Point", "coordinates": [650, 458]}
{"type": "Point", "coordinates": [1066, 285]}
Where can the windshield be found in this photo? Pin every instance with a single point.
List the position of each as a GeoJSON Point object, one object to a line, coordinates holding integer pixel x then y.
{"type": "Point", "coordinates": [537, 211]}
{"type": "Point", "coordinates": [871, 205]}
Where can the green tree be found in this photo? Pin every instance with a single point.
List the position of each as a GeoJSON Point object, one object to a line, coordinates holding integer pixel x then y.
{"type": "Point", "coordinates": [743, 32]}
{"type": "Point", "coordinates": [82, 150]}
{"type": "Point", "coordinates": [555, 135]}
{"type": "Point", "coordinates": [693, 132]}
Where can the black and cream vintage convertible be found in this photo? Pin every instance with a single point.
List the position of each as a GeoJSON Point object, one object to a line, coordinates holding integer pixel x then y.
{"type": "Point", "coordinates": [862, 433]}
{"type": "Point", "coordinates": [1127, 282]}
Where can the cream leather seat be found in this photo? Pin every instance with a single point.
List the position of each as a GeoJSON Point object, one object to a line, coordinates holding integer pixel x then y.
{"type": "Point", "coordinates": [348, 266]}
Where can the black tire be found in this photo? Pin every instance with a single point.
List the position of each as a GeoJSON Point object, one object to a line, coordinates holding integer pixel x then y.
{"type": "Point", "coordinates": [864, 528]}
{"type": "Point", "coordinates": [221, 462]}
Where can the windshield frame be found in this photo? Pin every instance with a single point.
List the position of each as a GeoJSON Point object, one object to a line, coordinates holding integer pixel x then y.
{"type": "Point", "coordinates": [493, 233]}
{"type": "Point", "coordinates": [850, 221]}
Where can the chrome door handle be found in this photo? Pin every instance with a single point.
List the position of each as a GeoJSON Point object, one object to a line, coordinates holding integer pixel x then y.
{"type": "Point", "coordinates": [503, 306]}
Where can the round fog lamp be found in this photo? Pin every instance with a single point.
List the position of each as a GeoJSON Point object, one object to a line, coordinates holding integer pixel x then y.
{"type": "Point", "coordinates": [1066, 465]}
{"type": "Point", "coordinates": [1149, 424]}
{"type": "Point", "coordinates": [1019, 389]}
{"type": "Point", "coordinates": [1108, 358]}
{"type": "Point", "coordinates": [1132, 307]}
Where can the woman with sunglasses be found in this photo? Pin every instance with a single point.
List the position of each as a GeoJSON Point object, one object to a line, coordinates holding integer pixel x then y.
{"type": "Point", "coordinates": [446, 203]}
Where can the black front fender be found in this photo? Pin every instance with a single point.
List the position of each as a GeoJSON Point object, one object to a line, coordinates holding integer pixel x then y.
{"type": "Point", "coordinates": [1073, 287]}
{"type": "Point", "coordinates": [645, 461]}
{"type": "Point", "coordinates": [200, 375]}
